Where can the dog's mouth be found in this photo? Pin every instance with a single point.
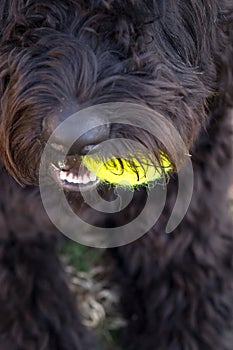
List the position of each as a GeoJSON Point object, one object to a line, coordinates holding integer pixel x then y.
{"type": "Point", "coordinates": [79, 173]}
{"type": "Point", "coordinates": [72, 175]}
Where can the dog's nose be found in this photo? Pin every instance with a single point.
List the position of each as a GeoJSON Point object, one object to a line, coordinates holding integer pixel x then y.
{"type": "Point", "coordinates": [62, 137]}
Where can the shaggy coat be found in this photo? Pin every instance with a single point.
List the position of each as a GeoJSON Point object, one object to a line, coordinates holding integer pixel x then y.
{"type": "Point", "coordinates": [174, 57]}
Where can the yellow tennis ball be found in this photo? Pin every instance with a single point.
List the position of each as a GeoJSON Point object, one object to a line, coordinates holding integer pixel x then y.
{"type": "Point", "coordinates": [127, 172]}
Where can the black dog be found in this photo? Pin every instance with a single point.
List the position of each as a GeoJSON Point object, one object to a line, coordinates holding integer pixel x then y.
{"type": "Point", "coordinates": [173, 57]}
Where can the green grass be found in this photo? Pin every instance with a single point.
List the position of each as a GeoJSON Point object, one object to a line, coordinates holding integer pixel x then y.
{"type": "Point", "coordinates": [81, 257]}
{"type": "Point", "coordinates": [108, 339]}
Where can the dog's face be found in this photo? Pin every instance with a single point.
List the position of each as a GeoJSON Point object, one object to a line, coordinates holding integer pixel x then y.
{"type": "Point", "coordinates": [59, 57]}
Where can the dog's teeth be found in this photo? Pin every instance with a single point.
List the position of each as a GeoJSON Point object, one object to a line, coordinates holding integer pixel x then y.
{"type": "Point", "coordinates": [92, 177]}
{"type": "Point", "coordinates": [86, 179]}
{"type": "Point", "coordinates": [70, 178]}
{"type": "Point", "coordinates": [80, 180]}
{"type": "Point", "coordinates": [62, 175]}
{"type": "Point", "coordinates": [75, 180]}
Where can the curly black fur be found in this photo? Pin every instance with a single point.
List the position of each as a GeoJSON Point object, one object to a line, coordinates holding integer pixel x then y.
{"type": "Point", "coordinates": [172, 56]}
